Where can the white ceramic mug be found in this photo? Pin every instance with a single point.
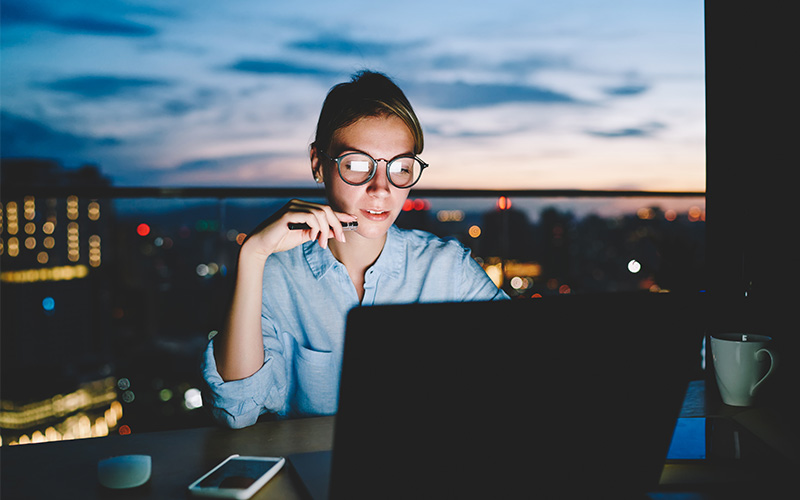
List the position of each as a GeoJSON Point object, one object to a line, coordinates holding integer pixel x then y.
{"type": "Point", "coordinates": [740, 363]}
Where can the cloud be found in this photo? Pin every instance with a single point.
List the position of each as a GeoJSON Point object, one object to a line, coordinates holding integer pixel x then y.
{"type": "Point", "coordinates": [460, 95]}
{"type": "Point", "coordinates": [23, 137]}
{"type": "Point", "coordinates": [646, 130]}
{"type": "Point", "coordinates": [535, 63]}
{"type": "Point", "coordinates": [201, 99]}
{"type": "Point", "coordinates": [105, 27]}
{"type": "Point", "coordinates": [26, 13]}
{"type": "Point", "coordinates": [462, 132]}
{"type": "Point", "coordinates": [257, 169]}
{"type": "Point", "coordinates": [276, 67]}
{"type": "Point", "coordinates": [342, 46]}
{"type": "Point", "coordinates": [98, 86]}
{"type": "Point", "coordinates": [626, 90]}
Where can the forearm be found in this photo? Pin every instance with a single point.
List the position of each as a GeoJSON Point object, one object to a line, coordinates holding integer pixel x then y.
{"type": "Point", "coordinates": [239, 349]}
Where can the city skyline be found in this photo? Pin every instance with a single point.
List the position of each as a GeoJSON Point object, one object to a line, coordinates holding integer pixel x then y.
{"type": "Point", "coordinates": [567, 95]}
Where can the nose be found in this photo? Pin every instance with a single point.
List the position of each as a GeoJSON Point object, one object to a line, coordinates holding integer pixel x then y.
{"type": "Point", "coordinates": [379, 186]}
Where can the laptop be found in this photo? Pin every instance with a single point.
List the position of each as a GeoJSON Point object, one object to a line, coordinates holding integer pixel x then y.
{"type": "Point", "coordinates": [577, 395]}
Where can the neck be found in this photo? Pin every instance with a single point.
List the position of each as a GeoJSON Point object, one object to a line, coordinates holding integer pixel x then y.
{"type": "Point", "coordinates": [358, 253]}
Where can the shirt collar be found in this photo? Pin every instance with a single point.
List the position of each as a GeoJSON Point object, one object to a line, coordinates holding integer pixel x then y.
{"type": "Point", "coordinates": [390, 261]}
{"type": "Point", "coordinates": [319, 259]}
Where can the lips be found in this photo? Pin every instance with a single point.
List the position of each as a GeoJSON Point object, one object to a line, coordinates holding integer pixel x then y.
{"type": "Point", "coordinates": [375, 214]}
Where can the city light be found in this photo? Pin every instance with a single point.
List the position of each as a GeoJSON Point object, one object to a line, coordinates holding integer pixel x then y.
{"type": "Point", "coordinates": [142, 229]}
{"type": "Point", "coordinates": [450, 215]}
{"type": "Point", "coordinates": [75, 406]}
{"type": "Point", "coordinates": [521, 283]}
{"type": "Point", "coordinates": [11, 215]}
{"type": "Point", "coordinates": [646, 213]}
{"type": "Point", "coordinates": [73, 242]}
{"type": "Point", "coordinates": [13, 247]}
{"type": "Point", "coordinates": [60, 273]}
{"type": "Point", "coordinates": [474, 231]}
{"type": "Point", "coordinates": [530, 269]}
{"type": "Point", "coordinates": [94, 250]}
{"type": "Point", "coordinates": [416, 205]}
{"type": "Point", "coordinates": [504, 203]}
{"type": "Point", "coordinates": [48, 304]}
{"type": "Point", "coordinates": [94, 211]}
{"type": "Point", "coordinates": [696, 214]}
{"type": "Point", "coordinates": [495, 273]}
{"type": "Point", "coordinates": [634, 266]}
{"type": "Point", "coordinates": [29, 207]}
{"type": "Point", "coordinates": [72, 207]}
{"type": "Point", "coordinates": [192, 398]}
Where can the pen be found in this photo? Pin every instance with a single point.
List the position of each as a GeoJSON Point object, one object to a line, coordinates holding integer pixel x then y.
{"type": "Point", "coordinates": [347, 226]}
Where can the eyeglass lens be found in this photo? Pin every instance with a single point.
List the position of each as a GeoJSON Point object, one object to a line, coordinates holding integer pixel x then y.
{"type": "Point", "coordinates": [357, 168]}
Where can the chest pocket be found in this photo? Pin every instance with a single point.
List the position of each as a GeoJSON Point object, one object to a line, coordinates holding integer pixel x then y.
{"type": "Point", "coordinates": [314, 379]}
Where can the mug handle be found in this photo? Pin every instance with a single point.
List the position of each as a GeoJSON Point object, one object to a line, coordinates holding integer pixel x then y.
{"type": "Point", "coordinates": [771, 367]}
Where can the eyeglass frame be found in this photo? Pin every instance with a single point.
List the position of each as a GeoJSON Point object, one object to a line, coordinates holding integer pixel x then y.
{"type": "Point", "coordinates": [374, 168]}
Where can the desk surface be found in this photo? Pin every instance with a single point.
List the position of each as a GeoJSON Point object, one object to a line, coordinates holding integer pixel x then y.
{"type": "Point", "coordinates": [48, 470]}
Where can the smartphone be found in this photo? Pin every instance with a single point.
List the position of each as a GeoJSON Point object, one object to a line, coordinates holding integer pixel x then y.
{"type": "Point", "coordinates": [715, 439]}
{"type": "Point", "coordinates": [237, 477]}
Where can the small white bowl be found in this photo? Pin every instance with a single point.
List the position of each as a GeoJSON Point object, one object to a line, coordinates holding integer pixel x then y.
{"type": "Point", "coordinates": [124, 471]}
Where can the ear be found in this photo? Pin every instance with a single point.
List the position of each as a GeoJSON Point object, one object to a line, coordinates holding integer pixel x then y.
{"type": "Point", "coordinates": [316, 166]}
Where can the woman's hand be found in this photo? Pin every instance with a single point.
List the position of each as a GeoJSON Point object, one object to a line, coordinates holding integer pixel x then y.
{"type": "Point", "coordinates": [273, 235]}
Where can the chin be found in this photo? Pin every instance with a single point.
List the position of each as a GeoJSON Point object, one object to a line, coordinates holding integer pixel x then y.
{"type": "Point", "coordinates": [371, 230]}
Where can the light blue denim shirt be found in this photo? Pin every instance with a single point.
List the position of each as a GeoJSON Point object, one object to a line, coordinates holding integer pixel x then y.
{"type": "Point", "coordinates": [307, 294]}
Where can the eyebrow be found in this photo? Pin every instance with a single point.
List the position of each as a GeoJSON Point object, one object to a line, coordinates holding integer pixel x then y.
{"type": "Point", "coordinates": [346, 149]}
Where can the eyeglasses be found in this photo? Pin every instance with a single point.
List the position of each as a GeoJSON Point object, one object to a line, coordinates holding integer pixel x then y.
{"type": "Point", "coordinates": [359, 168]}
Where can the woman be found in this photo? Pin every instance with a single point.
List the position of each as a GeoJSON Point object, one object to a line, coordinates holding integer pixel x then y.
{"type": "Point", "coordinates": [287, 359]}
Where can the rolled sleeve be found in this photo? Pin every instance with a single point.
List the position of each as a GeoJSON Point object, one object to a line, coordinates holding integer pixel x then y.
{"type": "Point", "coordinates": [239, 403]}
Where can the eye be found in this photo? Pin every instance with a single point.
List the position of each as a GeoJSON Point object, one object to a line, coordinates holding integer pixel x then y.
{"type": "Point", "coordinates": [358, 165]}
{"type": "Point", "coordinates": [402, 166]}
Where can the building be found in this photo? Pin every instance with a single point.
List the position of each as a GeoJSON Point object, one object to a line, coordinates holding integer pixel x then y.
{"type": "Point", "coordinates": [54, 288]}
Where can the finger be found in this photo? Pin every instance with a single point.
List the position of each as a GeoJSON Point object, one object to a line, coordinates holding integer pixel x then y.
{"type": "Point", "coordinates": [323, 226]}
{"type": "Point", "coordinates": [299, 215]}
{"type": "Point", "coordinates": [334, 223]}
{"type": "Point", "coordinates": [301, 221]}
{"type": "Point", "coordinates": [343, 217]}
{"type": "Point", "coordinates": [329, 221]}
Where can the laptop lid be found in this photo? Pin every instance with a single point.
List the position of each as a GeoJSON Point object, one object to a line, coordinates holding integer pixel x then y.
{"type": "Point", "coordinates": [313, 469]}
{"type": "Point", "coordinates": [576, 394]}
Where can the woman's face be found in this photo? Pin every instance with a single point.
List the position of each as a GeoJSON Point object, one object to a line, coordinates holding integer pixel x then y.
{"type": "Point", "coordinates": [376, 203]}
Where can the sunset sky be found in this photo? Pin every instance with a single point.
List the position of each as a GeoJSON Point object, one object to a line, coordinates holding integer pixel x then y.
{"type": "Point", "coordinates": [572, 94]}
